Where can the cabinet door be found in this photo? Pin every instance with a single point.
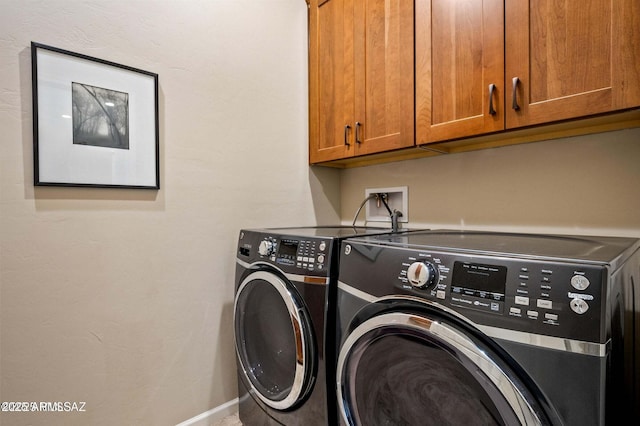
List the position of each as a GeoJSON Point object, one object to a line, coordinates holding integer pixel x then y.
{"type": "Point", "coordinates": [572, 58]}
{"type": "Point", "coordinates": [459, 54]}
{"type": "Point", "coordinates": [384, 86]}
{"type": "Point", "coordinates": [331, 79]}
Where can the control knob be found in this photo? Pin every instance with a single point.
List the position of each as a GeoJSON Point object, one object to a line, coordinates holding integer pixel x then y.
{"type": "Point", "coordinates": [265, 248]}
{"type": "Point", "coordinates": [421, 274]}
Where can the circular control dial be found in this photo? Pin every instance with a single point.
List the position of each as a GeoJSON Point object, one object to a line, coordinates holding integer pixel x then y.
{"type": "Point", "coordinates": [421, 274]}
{"type": "Point", "coordinates": [265, 248]}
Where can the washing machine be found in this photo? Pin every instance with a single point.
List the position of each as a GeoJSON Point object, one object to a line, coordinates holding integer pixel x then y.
{"type": "Point", "coordinates": [284, 322]}
{"type": "Point", "coordinates": [480, 328]}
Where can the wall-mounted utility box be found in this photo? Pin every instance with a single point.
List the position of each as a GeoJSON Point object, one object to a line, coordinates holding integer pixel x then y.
{"type": "Point", "coordinates": [397, 199]}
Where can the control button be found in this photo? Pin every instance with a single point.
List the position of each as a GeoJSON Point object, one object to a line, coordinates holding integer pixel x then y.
{"type": "Point", "coordinates": [440, 294]}
{"type": "Point", "coordinates": [322, 246]}
{"type": "Point", "coordinates": [580, 282]}
{"type": "Point", "coordinates": [544, 304]}
{"type": "Point", "coordinates": [521, 300]}
{"type": "Point", "coordinates": [515, 311]}
{"type": "Point", "coordinates": [579, 306]}
{"type": "Point", "coordinates": [533, 314]}
{"type": "Point", "coordinates": [552, 317]}
{"type": "Point", "coordinates": [321, 258]}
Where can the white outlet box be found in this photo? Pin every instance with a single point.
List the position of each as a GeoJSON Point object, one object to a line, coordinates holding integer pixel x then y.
{"type": "Point", "coordinates": [397, 198]}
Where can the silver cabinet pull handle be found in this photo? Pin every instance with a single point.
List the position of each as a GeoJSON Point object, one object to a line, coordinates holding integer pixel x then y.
{"type": "Point", "coordinates": [492, 89]}
{"type": "Point", "coordinates": [346, 135]}
{"type": "Point", "coordinates": [514, 103]}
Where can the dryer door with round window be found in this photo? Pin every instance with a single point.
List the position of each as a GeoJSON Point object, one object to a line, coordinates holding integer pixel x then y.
{"type": "Point", "coordinates": [274, 339]}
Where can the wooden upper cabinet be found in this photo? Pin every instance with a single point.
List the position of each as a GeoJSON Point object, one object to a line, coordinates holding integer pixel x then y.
{"type": "Point", "coordinates": [384, 84]}
{"type": "Point", "coordinates": [562, 59]}
{"type": "Point", "coordinates": [571, 58]}
{"type": "Point", "coordinates": [331, 79]}
{"type": "Point", "coordinates": [459, 68]}
{"type": "Point", "coordinates": [360, 77]}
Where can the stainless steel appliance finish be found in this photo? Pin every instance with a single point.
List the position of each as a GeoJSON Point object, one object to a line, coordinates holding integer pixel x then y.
{"type": "Point", "coordinates": [284, 323]}
{"type": "Point", "coordinates": [453, 327]}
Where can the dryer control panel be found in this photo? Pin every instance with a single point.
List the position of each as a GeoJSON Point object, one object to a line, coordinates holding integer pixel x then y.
{"type": "Point", "coordinates": [304, 254]}
{"type": "Point", "coordinates": [296, 255]}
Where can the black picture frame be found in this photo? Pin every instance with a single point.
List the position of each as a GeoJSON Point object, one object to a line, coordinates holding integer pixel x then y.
{"type": "Point", "coordinates": [95, 122]}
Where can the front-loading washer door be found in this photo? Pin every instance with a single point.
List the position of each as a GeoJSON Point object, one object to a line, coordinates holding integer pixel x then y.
{"type": "Point", "coordinates": [274, 339]}
{"type": "Point", "coordinates": [402, 368]}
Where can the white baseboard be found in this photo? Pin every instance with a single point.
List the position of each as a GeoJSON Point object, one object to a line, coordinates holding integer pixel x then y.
{"type": "Point", "coordinates": [211, 416]}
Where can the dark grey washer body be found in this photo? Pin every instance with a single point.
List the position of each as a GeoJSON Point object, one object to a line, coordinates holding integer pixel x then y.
{"type": "Point", "coordinates": [569, 368]}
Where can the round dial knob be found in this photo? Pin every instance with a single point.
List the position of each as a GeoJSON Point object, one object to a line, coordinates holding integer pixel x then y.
{"type": "Point", "coordinates": [579, 306]}
{"type": "Point", "coordinates": [265, 248]}
{"type": "Point", "coordinates": [421, 274]}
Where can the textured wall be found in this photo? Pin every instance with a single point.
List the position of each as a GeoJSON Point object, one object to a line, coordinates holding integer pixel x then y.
{"type": "Point", "coordinates": [123, 298]}
{"type": "Point", "coordinates": [585, 185]}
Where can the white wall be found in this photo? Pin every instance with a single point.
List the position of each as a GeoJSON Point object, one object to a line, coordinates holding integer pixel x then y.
{"type": "Point", "coordinates": [123, 298]}
{"type": "Point", "coordinates": [579, 185]}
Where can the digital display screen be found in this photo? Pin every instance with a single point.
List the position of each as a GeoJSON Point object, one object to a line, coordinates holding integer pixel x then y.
{"type": "Point", "coordinates": [479, 278]}
{"type": "Point", "coordinates": [288, 249]}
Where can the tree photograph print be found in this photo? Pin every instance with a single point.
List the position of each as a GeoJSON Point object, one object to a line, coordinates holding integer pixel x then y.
{"type": "Point", "coordinates": [100, 116]}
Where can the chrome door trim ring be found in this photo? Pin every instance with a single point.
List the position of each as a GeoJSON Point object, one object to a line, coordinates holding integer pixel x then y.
{"type": "Point", "coordinates": [297, 323]}
{"type": "Point", "coordinates": [519, 404]}
{"type": "Point", "coordinates": [549, 342]}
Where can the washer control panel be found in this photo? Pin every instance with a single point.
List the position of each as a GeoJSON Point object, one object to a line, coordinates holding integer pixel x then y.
{"type": "Point", "coordinates": [291, 254]}
{"type": "Point", "coordinates": [547, 297]}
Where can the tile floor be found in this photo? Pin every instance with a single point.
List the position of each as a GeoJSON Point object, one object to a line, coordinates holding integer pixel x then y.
{"type": "Point", "coordinates": [232, 420]}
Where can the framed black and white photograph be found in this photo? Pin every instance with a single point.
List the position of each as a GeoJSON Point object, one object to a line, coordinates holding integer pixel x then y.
{"type": "Point", "coordinates": [95, 122]}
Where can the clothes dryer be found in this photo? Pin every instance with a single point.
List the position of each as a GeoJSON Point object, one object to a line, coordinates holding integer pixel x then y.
{"type": "Point", "coordinates": [284, 323]}
{"type": "Point", "coordinates": [451, 328]}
